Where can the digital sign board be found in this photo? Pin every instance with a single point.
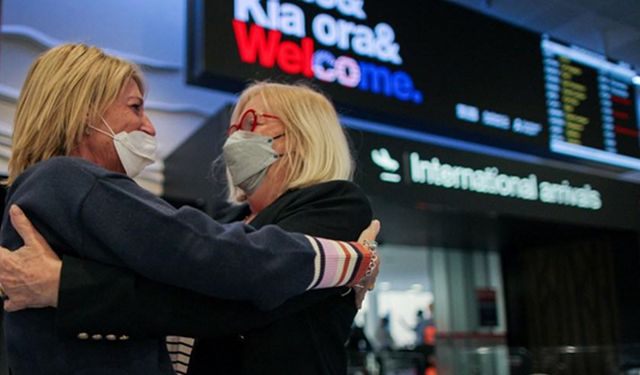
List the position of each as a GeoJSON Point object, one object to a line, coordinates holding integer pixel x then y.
{"type": "Point", "coordinates": [592, 106]}
{"type": "Point", "coordinates": [426, 66]}
{"type": "Point", "coordinates": [425, 175]}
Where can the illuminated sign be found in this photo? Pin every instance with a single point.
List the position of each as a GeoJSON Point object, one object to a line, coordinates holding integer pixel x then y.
{"type": "Point", "coordinates": [426, 66]}
{"type": "Point", "coordinates": [424, 175]}
{"type": "Point", "coordinates": [487, 180]}
{"type": "Point", "coordinates": [275, 35]}
{"type": "Point", "coordinates": [389, 165]}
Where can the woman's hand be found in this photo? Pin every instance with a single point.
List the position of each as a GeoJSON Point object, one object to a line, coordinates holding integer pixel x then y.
{"type": "Point", "coordinates": [368, 238]}
{"type": "Point", "coordinates": [29, 276]}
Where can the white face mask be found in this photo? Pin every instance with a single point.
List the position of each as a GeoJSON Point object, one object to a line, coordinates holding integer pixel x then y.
{"type": "Point", "coordinates": [247, 156]}
{"type": "Point", "coordinates": [136, 149]}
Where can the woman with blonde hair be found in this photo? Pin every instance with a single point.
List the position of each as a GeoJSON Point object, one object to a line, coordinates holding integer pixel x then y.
{"type": "Point", "coordinates": [288, 158]}
{"type": "Point", "coordinates": [80, 134]}
{"type": "Point", "coordinates": [315, 148]}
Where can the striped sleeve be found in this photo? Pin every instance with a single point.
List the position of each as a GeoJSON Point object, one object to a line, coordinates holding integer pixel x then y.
{"type": "Point", "coordinates": [180, 349]}
{"type": "Point", "coordinates": [338, 263]}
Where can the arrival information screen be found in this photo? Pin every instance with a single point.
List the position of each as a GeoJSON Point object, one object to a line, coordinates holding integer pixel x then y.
{"type": "Point", "coordinates": [592, 106]}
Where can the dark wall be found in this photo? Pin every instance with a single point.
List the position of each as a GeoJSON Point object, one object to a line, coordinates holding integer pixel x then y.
{"type": "Point", "coordinates": [192, 174]}
{"type": "Point", "coordinates": [570, 286]}
{"type": "Point", "coordinates": [417, 224]}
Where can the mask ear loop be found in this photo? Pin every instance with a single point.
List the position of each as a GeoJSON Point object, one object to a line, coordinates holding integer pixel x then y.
{"type": "Point", "coordinates": [111, 134]}
{"type": "Point", "coordinates": [276, 137]}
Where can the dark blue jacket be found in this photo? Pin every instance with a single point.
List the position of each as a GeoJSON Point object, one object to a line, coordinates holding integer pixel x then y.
{"type": "Point", "coordinates": [91, 213]}
{"type": "Point", "coordinates": [306, 335]}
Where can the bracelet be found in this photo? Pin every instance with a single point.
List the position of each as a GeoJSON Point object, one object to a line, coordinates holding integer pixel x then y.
{"type": "Point", "coordinates": [362, 273]}
{"type": "Point", "coordinates": [372, 264]}
{"type": "Point", "coordinates": [372, 245]}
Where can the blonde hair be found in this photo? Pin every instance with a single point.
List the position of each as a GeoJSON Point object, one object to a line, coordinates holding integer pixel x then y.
{"type": "Point", "coordinates": [317, 149]}
{"type": "Point", "coordinates": [67, 88]}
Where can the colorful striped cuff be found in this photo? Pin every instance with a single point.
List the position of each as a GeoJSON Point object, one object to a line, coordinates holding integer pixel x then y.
{"type": "Point", "coordinates": [338, 263]}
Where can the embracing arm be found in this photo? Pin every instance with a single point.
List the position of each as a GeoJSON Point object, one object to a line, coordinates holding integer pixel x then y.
{"type": "Point", "coordinates": [108, 218]}
{"type": "Point", "coordinates": [97, 298]}
{"type": "Point", "coordinates": [188, 249]}
{"type": "Point", "coordinates": [141, 306]}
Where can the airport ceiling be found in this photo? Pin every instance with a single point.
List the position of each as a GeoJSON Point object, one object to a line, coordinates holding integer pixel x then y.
{"type": "Point", "coordinates": [610, 27]}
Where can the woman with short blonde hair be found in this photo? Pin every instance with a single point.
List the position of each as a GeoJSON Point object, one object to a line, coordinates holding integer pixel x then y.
{"type": "Point", "coordinates": [49, 123]}
{"type": "Point", "coordinates": [317, 148]}
{"type": "Point", "coordinates": [288, 157]}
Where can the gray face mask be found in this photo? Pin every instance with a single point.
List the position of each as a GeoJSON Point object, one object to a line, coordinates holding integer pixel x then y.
{"type": "Point", "coordinates": [247, 156]}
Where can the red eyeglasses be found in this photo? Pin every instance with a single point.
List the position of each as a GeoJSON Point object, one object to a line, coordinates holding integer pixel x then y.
{"type": "Point", "coordinates": [249, 121]}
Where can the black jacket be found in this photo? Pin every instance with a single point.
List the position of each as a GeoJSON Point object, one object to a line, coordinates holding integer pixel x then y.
{"type": "Point", "coordinates": [306, 335]}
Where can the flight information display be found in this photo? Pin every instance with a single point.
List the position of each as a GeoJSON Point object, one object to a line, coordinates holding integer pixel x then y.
{"type": "Point", "coordinates": [591, 105]}
{"type": "Point", "coordinates": [429, 67]}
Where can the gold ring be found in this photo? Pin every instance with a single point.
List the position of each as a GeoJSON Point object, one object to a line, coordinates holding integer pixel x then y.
{"type": "Point", "coordinates": [3, 295]}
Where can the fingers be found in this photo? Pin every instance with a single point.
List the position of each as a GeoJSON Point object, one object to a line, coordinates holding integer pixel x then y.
{"type": "Point", "coordinates": [29, 278]}
{"type": "Point", "coordinates": [6, 278]}
{"type": "Point", "coordinates": [368, 237]}
{"type": "Point", "coordinates": [375, 227]}
{"type": "Point", "coordinates": [3, 295]}
{"type": "Point", "coordinates": [23, 226]}
{"type": "Point", "coordinates": [360, 294]}
{"type": "Point", "coordinates": [4, 252]}
{"type": "Point", "coordinates": [5, 264]}
{"type": "Point", "coordinates": [10, 306]}
{"type": "Point", "coordinates": [370, 281]}
{"type": "Point", "coordinates": [15, 304]}
{"type": "Point", "coordinates": [34, 243]}
{"type": "Point", "coordinates": [371, 232]}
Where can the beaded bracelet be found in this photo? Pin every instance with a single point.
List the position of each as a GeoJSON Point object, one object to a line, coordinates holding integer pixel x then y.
{"type": "Point", "coordinates": [372, 245]}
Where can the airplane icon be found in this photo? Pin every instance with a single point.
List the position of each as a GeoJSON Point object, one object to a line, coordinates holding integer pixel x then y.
{"type": "Point", "coordinates": [383, 159]}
